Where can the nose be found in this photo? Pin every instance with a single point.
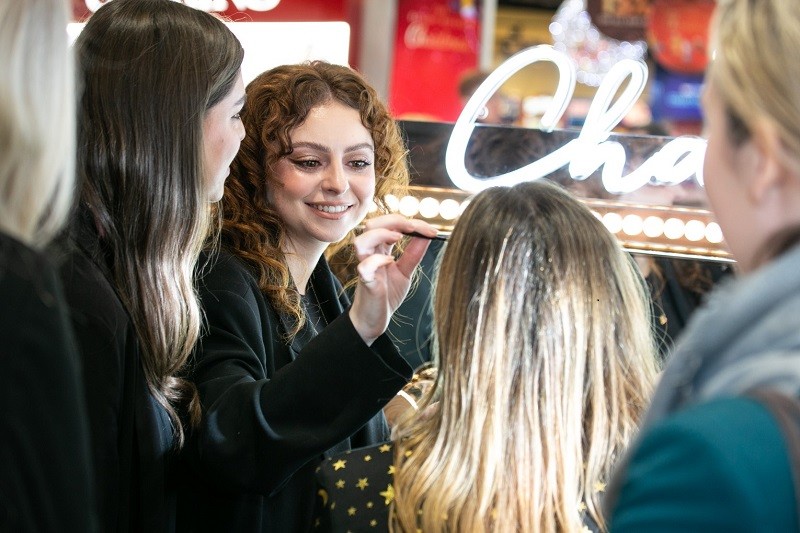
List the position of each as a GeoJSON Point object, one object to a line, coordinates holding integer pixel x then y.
{"type": "Point", "coordinates": [335, 180]}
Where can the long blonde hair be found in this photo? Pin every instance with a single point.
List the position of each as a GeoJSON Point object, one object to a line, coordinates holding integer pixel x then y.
{"type": "Point", "coordinates": [37, 120]}
{"type": "Point", "coordinates": [546, 361]}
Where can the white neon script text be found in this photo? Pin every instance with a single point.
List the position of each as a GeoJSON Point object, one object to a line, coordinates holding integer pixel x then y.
{"type": "Point", "coordinates": [208, 5]}
{"type": "Point", "coordinates": [680, 159]}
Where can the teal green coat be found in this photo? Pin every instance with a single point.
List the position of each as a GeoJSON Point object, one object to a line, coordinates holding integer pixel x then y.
{"type": "Point", "coordinates": [717, 466]}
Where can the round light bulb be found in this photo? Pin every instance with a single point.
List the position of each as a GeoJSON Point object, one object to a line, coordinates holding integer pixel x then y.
{"type": "Point", "coordinates": [673, 228]}
{"type": "Point", "coordinates": [612, 222]}
{"type": "Point", "coordinates": [409, 206]}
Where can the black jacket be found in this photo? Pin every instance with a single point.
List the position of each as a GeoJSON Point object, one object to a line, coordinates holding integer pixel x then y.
{"type": "Point", "coordinates": [131, 434]}
{"type": "Point", "coordinates": [45, 466]}
{"type": "Point", "coordinates": [270, 411]}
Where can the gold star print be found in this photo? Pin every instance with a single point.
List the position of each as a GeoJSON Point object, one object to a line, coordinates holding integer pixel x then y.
{"type": "Point", "coordinates": [373, 522]}
{"type": "Point", "coordinates": [385, 448]}
{"type": "Point", "coordinates": [388, 494]}
{"type": "Point", "coordinates": [316, 522]}
{"type": "Point", "coordinates": [599, 487]}
{"type": "Point", "coordinates": [392, 469]}
{"type": "Point", "coordinates": [370, 505]}
{"type": "Point", "coordinates": [340, 484]}
{"type": "Point", "coordinates": [581, 507]}
{"type": "Point", "coordinates": [338, 465]}
{"type": "Point", "coordinates": [368, 458]}
{"type": "Point", "coordinates": [362, 483]}
{"type": "Point", "coordinates": [351, 511]}
{"type": "Point", "coordinates": [408, 453]}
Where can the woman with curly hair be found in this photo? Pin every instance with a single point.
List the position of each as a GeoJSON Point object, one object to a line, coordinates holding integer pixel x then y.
{"type": "Point", "coordinates": [289, 369]}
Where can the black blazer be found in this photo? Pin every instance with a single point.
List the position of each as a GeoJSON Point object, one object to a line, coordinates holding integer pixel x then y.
{"type": "Point", "coordinates": [270, 411]}
{"type": "Point", "coordinates": [45, 466]}
{"type": "Point", "coordinates": [131, 433]}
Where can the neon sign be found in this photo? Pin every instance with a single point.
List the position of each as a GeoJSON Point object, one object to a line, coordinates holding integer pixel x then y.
{"type": "Point", "coordinates": [679, 160]}
{"type": "Point", "coordinates": [208, 5]}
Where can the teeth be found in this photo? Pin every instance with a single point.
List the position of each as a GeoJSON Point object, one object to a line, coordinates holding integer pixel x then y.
{"type": "Point", "coordinates": [331, 208]}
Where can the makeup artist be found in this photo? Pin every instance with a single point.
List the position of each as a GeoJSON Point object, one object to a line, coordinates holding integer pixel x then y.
{"type": "Point", "coordinates": [290, 370]}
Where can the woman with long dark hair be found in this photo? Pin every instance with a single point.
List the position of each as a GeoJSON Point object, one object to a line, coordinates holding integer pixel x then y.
{"type": "Point", "coordinates": [158, 126]}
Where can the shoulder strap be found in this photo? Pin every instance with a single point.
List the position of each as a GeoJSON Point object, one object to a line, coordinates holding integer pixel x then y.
{"type": "Point", "coordinates": [786, 411]}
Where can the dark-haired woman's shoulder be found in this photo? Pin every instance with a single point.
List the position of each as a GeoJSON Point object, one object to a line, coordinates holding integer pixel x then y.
{"type": "Point", "coordinates": [355, 490]}
{"type": "Point", "coordinates": [717, 466]}
{"type": "Point", "coordinates": [45, 481]}
{"type": "Point", "coordinates": [131, 435]}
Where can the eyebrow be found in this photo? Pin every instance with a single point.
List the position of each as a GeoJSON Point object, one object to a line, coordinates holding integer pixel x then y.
{"type": "Point", "coordinates": [323, 148]}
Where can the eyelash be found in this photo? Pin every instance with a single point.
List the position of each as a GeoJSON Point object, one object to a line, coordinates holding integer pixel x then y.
{"type": "Point", "coordinates": [358, 164]}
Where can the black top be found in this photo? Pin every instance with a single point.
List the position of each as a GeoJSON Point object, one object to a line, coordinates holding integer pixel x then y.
{"type": "Point", "coordinates": [270, 411]}
{"type": "Point", "coordinates": [678, 287]}
{"type": "Point", "coordinates": [45, 465]}
{"type": "Point", "coordinates": [131, 433]}
{"type": "Point", "coordinates": [355, 490]}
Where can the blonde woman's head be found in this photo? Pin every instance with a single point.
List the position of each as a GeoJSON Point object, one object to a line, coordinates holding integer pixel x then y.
{"type": "Point", "coordinates": [545, 361]}
{"type": "Point", "coordinates": [37, 119]}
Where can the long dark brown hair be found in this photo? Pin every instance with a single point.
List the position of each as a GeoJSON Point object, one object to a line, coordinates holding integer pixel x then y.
{"type": "Point", "coordinates": [278, 101]}
{"type": "Point", "coordinates": [150, 70]}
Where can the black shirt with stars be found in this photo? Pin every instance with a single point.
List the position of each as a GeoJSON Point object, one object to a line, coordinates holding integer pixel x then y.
{"type": "Point", "coordinates": [355, 490]}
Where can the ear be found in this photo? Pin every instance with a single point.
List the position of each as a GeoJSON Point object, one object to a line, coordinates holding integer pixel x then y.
{"type": "Point", "coordinates": [769, 170]}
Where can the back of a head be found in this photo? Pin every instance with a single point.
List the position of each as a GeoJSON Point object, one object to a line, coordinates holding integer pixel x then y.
{"type": "Point", "coordinates": [543, 338]}
{"type": "Point", "coordinates": [36, 119]}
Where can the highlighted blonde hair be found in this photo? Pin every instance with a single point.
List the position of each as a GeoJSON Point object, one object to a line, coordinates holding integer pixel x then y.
{"type": "Point", "coordinates": [546, 362]}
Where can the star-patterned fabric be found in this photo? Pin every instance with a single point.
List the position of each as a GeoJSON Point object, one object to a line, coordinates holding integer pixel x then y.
{"type": "Point", "coordinates": [355, 490]}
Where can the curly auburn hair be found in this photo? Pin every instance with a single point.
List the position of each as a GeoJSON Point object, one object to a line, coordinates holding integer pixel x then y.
{"type": "Point", "coordinates": [278, 101]}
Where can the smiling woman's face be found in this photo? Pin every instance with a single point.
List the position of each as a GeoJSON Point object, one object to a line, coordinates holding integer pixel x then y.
{"type": "Point", "coordinates": [324, 187]}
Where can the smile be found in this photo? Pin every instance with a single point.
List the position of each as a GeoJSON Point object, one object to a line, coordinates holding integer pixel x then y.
{"type": "Point", "coordinates": [331, 208]}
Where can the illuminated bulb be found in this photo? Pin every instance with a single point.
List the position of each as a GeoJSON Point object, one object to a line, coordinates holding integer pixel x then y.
{"type": "Point", "coordinates": [714, 233]}
{"type": "Point", "coordinates": [653, 226]}
{"type": "Point", "coordinates": [409, 206]}
{"type": "Point", "coordinates": [464, 205]}
{"type": "Point", "coordinates": [449, 209]}
{"type": "Point", "coordinates": [612, 222]}
{"type": "Point", "coordinates": [392, 202]}
{"type": "Point", "coordinates": [695, 230]}
{"type": "Point", "coordinates": [429, 207]}
{"type": "Point", "coordinates": [632, 225]}
{"type": "Point", "coordinates": [673, 228]}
